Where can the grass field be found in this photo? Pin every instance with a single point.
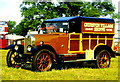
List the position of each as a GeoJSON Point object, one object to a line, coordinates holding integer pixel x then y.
{"type": "Point", "coordinates": [82, 73]}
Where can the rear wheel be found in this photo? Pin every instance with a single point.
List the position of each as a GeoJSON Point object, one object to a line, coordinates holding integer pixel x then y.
{"type": "Point", "coordinates": [13, 59]}
{"type": "Point", "coordinates": [103, 59]}
{"type": "Point", "coordinates": [42, 61]}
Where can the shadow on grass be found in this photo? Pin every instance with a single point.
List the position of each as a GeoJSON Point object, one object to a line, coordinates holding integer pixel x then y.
{"type": "Point", "coordinates": [117, 54]}
{"type": "Point", "coordinates": [65, 66]}
{"type": "Point", "coordinates": [75, 65]}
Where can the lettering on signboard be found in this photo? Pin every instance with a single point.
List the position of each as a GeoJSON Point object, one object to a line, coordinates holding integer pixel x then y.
{"type": "Point", "coordinates": [89, 29]}
{"type": "Point", "coordinates": [108, 29]}
{"type": "Point", "coordinates": [98, 27]}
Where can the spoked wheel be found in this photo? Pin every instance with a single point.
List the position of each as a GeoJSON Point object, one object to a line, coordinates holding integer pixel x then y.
{"type": "Point", "coordinates": [103, 59]}
{"type": "Point", "coordinates": [42, 61]}
{"type": "Point", "coordinates": [13, 59]}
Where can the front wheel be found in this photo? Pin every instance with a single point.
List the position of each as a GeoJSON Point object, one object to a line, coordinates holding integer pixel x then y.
{"type": "Point", "coordinates": [103, 59]}
{"type": "Point", "coordinates": [42, 61]}
{"type": "Point", "coordinates": [13, 59]}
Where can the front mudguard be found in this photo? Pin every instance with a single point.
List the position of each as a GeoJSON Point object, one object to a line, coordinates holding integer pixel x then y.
{"type": "Point", "coordinates": [10, 46]}
{"type": "Point", "coordinates": [19, 50]}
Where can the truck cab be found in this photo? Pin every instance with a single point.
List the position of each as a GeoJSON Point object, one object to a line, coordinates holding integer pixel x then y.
{"type": "Point", "coordinates": [66, 39]}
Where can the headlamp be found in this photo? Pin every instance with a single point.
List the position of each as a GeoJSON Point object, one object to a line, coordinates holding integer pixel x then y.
{"type": "Point", "coordinates": [29, 48]}
{"type": "Point", "coordinates": [16, 47]}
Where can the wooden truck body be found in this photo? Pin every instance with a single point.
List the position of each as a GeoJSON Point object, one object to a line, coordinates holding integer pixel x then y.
{"type": "Point", "coordinates": [67, 39]}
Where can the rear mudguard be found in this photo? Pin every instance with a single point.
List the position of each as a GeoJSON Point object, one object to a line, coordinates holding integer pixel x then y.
{"type": "Point", "coordinates": [101, 47]}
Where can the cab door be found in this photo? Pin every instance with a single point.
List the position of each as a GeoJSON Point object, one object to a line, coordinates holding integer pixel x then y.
{"type": "Point", "coordinates": [75, 42]}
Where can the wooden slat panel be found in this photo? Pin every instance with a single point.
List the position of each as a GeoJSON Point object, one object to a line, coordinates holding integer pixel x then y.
{"type": "Point", "coordinates": [109, 43]}
{"type": "Point", "coordinates": [74, 45]}
{"type": "Point", "coordinates": [101, 36]}
{"type": "Point", "coordinates": [74, 36]}
{"type": "Point", "coordinates": [110, 36]}
{"type": "Point", "coordinates": [93, 43]}
{"type": "Point", "coordinates": [102, 41]}
{"type": "Point", "coordinates": [93, 36]}
{"type": "Point", "coordinates": [85, 36]}
{"type": "Point", "coordinates": [85, 44]}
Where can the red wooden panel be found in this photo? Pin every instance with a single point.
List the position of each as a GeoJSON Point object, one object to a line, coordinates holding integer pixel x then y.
{"type": "Point", "coordinates": [93, 43]}
{"type": "Point", "coordinates": [102, 41]}
{"type": "Point", "coordinates": [74, 36]}
{"type": "Point", "coordinates": [74, 45]}
{"type": "Point", "coordinates": [110, 36]}
{"type": "Point", "coordinates": [101, 36]}
{"type": "Point", "coordinates": [85, 36]}
{"type": "Point", "coordinates": [93, 36]}
{"type": "Point", "coordinates": [85, 44]}
{"type": "Point", "coordinates": [109, 43]}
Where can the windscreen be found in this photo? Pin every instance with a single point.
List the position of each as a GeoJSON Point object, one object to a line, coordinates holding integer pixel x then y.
{"type": "Point", "coordinates": [61, 27]}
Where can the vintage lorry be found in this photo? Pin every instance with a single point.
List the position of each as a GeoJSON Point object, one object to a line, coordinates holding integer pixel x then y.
{"type": "Point", "coordinates": [66, 39]}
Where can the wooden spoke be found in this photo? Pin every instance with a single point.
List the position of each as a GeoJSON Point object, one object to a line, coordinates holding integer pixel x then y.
{"type": "Point", "coordinates": [44, 61]}
{"type": "Point", "coordinates": [104, 60]}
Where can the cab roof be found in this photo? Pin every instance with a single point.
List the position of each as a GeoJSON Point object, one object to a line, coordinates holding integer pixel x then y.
{"type": "Point", "coordinates": [79, 18]}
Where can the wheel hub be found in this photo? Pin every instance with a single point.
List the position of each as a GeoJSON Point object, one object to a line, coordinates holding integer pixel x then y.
{"type": "Point", "coordinates": [43, 61]}
{"type": "Point", "coordinates": [17, 59]}
{"type": "Point", "coordinates": [104, 60]}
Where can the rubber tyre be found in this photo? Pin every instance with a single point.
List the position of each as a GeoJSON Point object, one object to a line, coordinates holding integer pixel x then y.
{"type": "Point", "coordinates": [11, 57]}
{"type": "Point", "coordinates": [103, 59]}
{"type": "Point", "coordinates": [42, 61]}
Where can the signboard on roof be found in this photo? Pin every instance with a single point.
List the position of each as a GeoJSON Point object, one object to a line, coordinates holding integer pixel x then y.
{"type": "Point", "coordinates": [97, 27]}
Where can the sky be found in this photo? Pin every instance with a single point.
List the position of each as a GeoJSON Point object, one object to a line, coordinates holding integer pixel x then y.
{"type": "Point", "coordinates": [10, 9]}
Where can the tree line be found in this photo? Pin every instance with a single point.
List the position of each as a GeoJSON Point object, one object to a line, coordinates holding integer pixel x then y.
{"type": "Point", "coordinates": [34, 13]}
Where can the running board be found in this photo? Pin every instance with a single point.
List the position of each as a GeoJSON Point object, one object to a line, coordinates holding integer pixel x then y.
{"type": "Point", "coordinates": [79, 60]}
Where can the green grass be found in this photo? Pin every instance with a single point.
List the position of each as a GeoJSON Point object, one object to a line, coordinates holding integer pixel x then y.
{"type": "Point", "coordinates": [110, 73]}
